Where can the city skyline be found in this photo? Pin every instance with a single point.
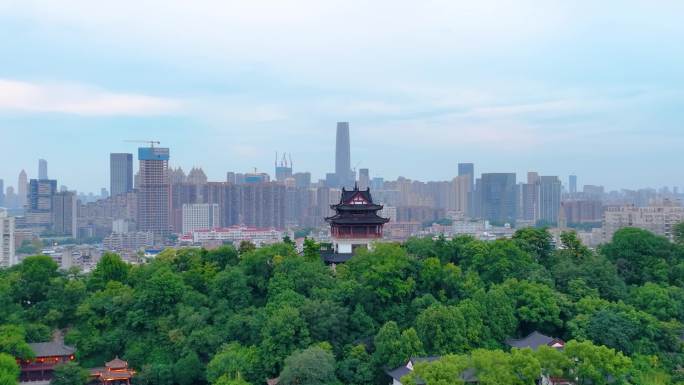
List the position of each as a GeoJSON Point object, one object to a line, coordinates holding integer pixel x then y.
{"type": "Point", "coordinates": [216, 174]}
{"type": "Point", "coordinates": [547, 87]}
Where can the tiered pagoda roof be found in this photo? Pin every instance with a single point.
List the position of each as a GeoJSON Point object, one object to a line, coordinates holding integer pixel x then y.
{"type": "Point", "coordinates": [356, 207]}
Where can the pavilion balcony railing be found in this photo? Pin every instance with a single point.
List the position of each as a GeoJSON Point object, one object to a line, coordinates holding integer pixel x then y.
{"type": "Point", "coordinates": [358, 236]}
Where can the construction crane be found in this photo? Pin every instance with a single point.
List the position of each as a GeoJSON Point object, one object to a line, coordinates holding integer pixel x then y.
{"type": "Point", "coordinates": [355, 166]}
{"type": "Point", "coordinates": [151, 142]}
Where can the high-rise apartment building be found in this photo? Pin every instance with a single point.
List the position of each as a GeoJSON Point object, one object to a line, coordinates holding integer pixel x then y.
{"type": "Point", "coordinates": [572, 184]}
{"type": "Point", "coordinates": [462, 194]}
{"type": "Point", "coordinates": [11, 198]}
{"type": "Point", "coordinates": [283, 168]}
{"type": "Point", "coordinates": [120, 173]}
{"type": "Point", "coordinates": [196, 176]}
{"type": "Point", "coordinates": [659, 219]}
{"type": "Point", "coordinates": [498, 197]}
{"type": "Point", "coordinates": [256, 177]}
{"type": "Point", "coordinates": [40, 194]}
{"type": "Point", "coordinates": [529, 199]}
{"type": "Point", "coordinates": [182, 194]}
{"type": "Point", "coordinates": [593, 191]}
{"type": "Point", "coordinates": [177, 175]}
{"type": "Point", "coordinates": [38, 213]}
{"type": "Point", "coordinates": [7, 247]}
{"type": "Point", "coordinates": [467, 170]}
{"type": "Point", "coordinates": [364, 179]}
{"type": "Point", "coordinates": [343, 171]}
{"type": "Point", "coordinates": [42, 169]}
{"type": "Point", "coordinates": [65, 214]}
{"type": "Point", "coordinates": [200, 216]}
{"type": "Point", "coordinates": [153, 192]}
{"type": "Point", "coordinates": [22, 189]}
{"type": "Point", "coordinates": [549, 199]}
{"type": "Point", "coordinates": [302, 179]}
{"type": "Point", "coordinates": [263, 205]}
{"type": "Point", "coordinates": [578, 211]}
{"type": "Point", "coordinates": [235, 177]}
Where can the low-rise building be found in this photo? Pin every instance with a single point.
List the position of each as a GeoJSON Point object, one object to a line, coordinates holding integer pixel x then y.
{"type": "Point", "coordinates": [47, 356]}
{"type": "Point", "coordinates": [236, 234]}
{"type": "Point", "coordinates": [128, 241]}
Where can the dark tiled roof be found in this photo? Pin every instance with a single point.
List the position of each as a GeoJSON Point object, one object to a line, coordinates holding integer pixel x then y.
{"type": "Point", "coordinates": [347, 195]}
{"type": "Point", "coordinates": [116, 363]}
{"type": "Point", "coordinates": [399, 372]}
{"type": "Point", "coordinates": [404, 370]}
{"type": "Point", "coordinates": [532, 341]}
{"type": "Point", "coordinates": [415, 360]}
{"type": "Point", "coordinates": [351, 220]}
{"type": "Point", "coordinates": [51, 349]}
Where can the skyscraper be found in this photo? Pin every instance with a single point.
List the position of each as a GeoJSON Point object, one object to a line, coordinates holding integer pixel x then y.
{"type": "Point", "coordinates": [2, 193]}
{"type": "Point", "coordinates": [461, 194]}
{"type": "Point", "coordinates": [467, 170]}
{"type": "Point", "coordinates": [364, 178]}
{"type": "Point", "coordinates": [22, 186]}
{"type": "Point", "coordinates": [153, 192]}
{"type": "Point", "coordinates": [302, 179]}
{"type": "Point", "coordinates": [263, 205]}
{"type": "Point", "coordinates": [530, 197]}
{"type": "Point", "coordinates": [64, 214]}
{"type": "Point", "coordinates": [40, 194]}
{"type": "Point", "coordinates": [42, 169]}
{"type": "Point", "coordinates": [283, 168]}
{"type": "Point", "coordinates": [549, 199]}
{"type": "Point", "coordinates": [573, 184]}
{"type": "Point", "coordinates": [38, 213]}
{"type": "Point", "coordinates": [120, 173]}
{"type": "Point", "coordinates": [343, 156]}
{"type": "Point", "coordinates": [499, 197]}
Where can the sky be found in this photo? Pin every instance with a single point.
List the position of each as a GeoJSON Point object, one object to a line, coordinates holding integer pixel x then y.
{"type": "Point", "coordinates": [594, 88]}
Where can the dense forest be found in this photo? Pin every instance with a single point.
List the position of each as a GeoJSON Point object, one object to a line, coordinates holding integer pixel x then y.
{"type": "Point", "coordinates": [240, 316]}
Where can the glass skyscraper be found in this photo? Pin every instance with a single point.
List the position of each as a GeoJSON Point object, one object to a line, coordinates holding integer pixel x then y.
{"type": "Point", "coordinates": [120, 174]}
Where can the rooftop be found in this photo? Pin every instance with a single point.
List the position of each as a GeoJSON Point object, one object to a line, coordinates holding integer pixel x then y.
{"type": "Point", "coordinates": [534, 340]}
{"type": "Point", "coordinates": [51, 349]}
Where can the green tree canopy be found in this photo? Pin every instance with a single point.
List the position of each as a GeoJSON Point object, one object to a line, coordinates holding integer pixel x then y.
{"type": "Point", "coordinates": [312, 366]}
{"type": "Point", "coordinates": [641, 256]}
{"type": "Point", "coordinates": [69, 373]}
{"type": "Point", "coordinates": [9, 370]}
{"type": "Point", "coordinates": [233, 361]}
{"type": "Point", "coordinates": [597, 365]}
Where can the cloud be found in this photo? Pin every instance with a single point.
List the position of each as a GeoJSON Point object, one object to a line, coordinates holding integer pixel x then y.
{"type": "Point", "coordinates": [77, 99]}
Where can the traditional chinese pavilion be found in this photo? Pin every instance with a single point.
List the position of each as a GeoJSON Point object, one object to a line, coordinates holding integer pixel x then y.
{"type": "Point", "coordinates": [115, 372]}
{"type": "Point", "coordinates": [47, 356]}
{"type": "Point", "coordinates": [356, 222]}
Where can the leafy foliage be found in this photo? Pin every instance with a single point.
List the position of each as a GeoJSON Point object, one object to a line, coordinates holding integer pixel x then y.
{"type": "Point", "coordinates": [237, 317]}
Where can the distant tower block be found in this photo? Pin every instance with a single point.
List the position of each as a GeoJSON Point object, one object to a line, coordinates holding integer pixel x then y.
{"type": "Point", "coordinates": [343, 171]}
{"type": "Point", "coordinates": [283, 167]}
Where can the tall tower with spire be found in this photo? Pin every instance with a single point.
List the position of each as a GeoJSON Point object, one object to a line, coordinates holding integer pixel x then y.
{"type": "Point", "coordinates": [343, 172]}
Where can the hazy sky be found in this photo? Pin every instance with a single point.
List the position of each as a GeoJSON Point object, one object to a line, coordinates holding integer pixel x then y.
{"type": "Point", "coordinates": [588, 87]}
